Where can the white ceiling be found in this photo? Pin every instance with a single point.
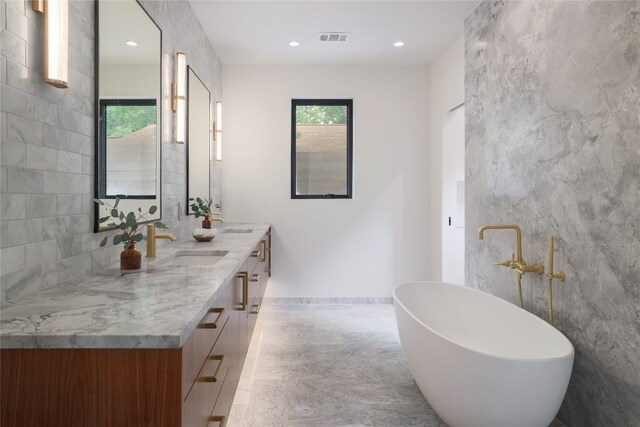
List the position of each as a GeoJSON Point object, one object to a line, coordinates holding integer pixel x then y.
{"type": "Point", "coordinates": [258, 32]}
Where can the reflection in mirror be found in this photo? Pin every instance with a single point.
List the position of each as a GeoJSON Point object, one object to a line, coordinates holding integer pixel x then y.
{"type": "Point", "coordinates": [198, 138]}
{"type": "Point", "coordinates": [128, 56]}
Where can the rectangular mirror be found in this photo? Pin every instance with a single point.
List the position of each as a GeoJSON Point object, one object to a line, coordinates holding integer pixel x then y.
{"type": "Point", "coordinates": [198, 138]}
{"type": "Point", "coordinates": [128, 110]}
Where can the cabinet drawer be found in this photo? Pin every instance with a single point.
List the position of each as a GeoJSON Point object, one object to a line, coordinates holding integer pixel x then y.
{"type": "Point", "coordinates": [202, 397]}
{"type": "Point", "coordinates": [256, 303]}
{"type": "Point", "coordinates": [254, 257]}
{"type": "Point", "coordinates": [199, 344]}
{"type": "Point", "coordinates": [221, 410]}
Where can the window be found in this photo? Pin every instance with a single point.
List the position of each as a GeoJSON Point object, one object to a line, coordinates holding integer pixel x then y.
{"type": "Point", "coordinates": [321, 148]}
{"type": "Point", "coordinates": [129, 158]}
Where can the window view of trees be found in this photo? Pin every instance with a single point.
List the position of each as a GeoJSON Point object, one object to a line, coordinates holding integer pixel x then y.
{"type": "Point", "coordinates": [321, 115]}
{"type": "Point", "coordinates": [125, 119]}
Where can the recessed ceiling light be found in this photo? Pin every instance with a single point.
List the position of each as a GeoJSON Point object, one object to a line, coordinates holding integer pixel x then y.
{"type": "Point", "coordinates": [398, 44]}
{"type": "Point", "coordinates": [294, 43]}
{"type": "Point", "coordinates": [131, 43]}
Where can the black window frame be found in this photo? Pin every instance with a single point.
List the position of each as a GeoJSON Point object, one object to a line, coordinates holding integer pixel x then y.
{"type": "Point", "coordinates": [102, 125]}
{"type": "Point", "coordinates": [340, 102]}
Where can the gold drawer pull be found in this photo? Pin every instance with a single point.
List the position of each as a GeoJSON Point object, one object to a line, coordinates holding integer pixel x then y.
{"type": "Point", "coordinates": [255, 254]}
{"type": "Point", "coordinates": [218, 419]}
{"type": "Point", "coordinates": [256, 307]}
{"type": "Point", "coordinates": [263, 258]}
{"type": "Point", "coordinates": [245, 289]}
{"type": "Point", "coordinates": [214, 378]}
{"type": "Point", "coordinates": [213, 325]}
{"type": "Point", "coordinates": [255, 277]}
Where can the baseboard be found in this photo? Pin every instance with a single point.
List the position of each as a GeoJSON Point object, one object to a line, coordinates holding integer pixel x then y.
{"type": "Point", "coordinates": [328, 300]}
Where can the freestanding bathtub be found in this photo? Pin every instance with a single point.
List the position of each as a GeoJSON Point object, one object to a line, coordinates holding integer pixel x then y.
{"type": "Point", "coordinates": [481, 361]}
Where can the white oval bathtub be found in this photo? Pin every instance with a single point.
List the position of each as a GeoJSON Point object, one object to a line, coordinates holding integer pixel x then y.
{"type": "Point", "coordinates": [480, 360]}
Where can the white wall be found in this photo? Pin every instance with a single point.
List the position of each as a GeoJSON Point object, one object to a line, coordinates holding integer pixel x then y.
{"type": "Point", "coordinates": [447, 92]}
{"type": "Point", "coordinates": [340, 248]}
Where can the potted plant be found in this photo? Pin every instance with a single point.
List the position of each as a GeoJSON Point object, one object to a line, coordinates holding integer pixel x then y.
{"type": "Point", "coordinates": [128, 225]}
{"type": "Point", "coordinates": [202, 207]}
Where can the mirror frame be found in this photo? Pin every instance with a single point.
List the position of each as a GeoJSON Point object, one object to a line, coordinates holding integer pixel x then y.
{"type": "Point", "coordinates": [99, 158]}
{"type": "Point", "coordinates": [189, 71]}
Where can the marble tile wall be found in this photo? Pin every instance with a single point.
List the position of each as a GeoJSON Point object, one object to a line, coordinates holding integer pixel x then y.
{"type": "Point", "coordinates": [553, 144]}
{"type": "Point", "coordinates": [47, 144]}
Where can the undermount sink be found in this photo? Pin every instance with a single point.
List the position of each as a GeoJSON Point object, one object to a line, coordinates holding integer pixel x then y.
{"type": "Point", "coordinates": [197, 258]}
{"type": "Point", "coordinates": [237, 230]}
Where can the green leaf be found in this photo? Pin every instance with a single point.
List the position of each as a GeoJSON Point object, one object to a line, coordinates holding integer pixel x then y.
{"type": "Point", "coordinates": [153, 209]}
{"type": "Point", "coordinates": [198, 199]}
{"type": "Point", "coordinates": [103, 219]}
{"type": "Point", "coordinates": [127, 245]}
{"type": "Point", "coordinates": [160, 224]}
{"type": "Point", "coordinates": [117, 201]}
{"type": "Point", "coordinates": [194, 208]}
{"type": "Point", "coordinates": [103, 242]}
{"type": "Point", "coordinates": [114, 212]}
{"type": "Point", "coordinates": [98, 201]}
{"type": "Point", "coordinates": [138, 237]}
{"type": "Point", "coordinates": [121, 216]}
{"type": "Point", "coordinates": [122, 226]}
{"type": "Point", "coordinates": [117, 239]}
{"type": "Point", "coordinates": [140, 210]}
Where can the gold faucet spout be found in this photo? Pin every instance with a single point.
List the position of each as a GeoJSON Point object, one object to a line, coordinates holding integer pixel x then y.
{"type": "Point", "coordinates": [216, 219]}
{"type": "Point", "coordinates": [152, 236]}
{"type": "Point", "coordinates": [506, 227]}
{"type": "Point", "coordinates": [168, 236]}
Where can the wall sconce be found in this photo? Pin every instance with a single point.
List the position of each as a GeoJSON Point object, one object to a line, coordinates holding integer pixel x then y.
{"type": "Point", "coordinates": [217, 134]}
{"type": "Point", "coordinates": [179, 97]}
{"type": "Point", "coordinates": [56, 40]}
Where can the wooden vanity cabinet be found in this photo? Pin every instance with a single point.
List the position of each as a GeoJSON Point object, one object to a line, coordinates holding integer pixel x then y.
{"type": "Point", "coordinates": [190, 386]}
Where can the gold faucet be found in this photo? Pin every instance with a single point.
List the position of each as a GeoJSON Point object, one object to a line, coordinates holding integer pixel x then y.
{"type": "Point", "coordinates": [518, 257]}
{"type": "Point", "coordinates": [517, 262]}
{"type": "Point", "coordinates": [215, 219]}
{"type": "Point", "coordinates": [152, 236]}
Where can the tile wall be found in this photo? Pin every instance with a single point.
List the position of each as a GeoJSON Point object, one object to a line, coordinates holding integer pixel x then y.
{"type": "Point", "coordinates": [47, 144]}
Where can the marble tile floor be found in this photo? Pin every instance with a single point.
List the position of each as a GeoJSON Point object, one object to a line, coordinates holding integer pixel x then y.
{"type": "Point", "coordinates": [313, 365]}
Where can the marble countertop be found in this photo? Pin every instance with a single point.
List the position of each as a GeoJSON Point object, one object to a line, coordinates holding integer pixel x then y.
{"type": "Point", "coordinates": [156, 307]}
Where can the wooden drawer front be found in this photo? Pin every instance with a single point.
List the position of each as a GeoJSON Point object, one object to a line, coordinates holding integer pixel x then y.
{"type": "Point", "coordinates": [220, 413]}
{"type": "Point", "coordinates": [254, 285]}
{"type": "Point", "coordinates": [202, 396]}
{"type": "Point", "coordinates": [254, 257]}
{"type": "Point", "coordinates": [199, 344]}
{"type": "Point", "coordinates": [255, 305]}
{"type": "Point", "coordinates": [257, 301]}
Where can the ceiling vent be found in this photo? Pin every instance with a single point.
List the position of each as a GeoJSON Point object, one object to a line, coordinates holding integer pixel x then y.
{"type": "Point", "coordinates": [334, 37]}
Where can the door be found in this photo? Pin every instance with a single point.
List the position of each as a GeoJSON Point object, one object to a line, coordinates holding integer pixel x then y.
{"type": "Point", "coordinates": [453, 196]}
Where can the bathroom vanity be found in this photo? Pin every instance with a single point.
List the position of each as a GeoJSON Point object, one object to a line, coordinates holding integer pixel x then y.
{"type": "Point", "coordinates": [163, 346]}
